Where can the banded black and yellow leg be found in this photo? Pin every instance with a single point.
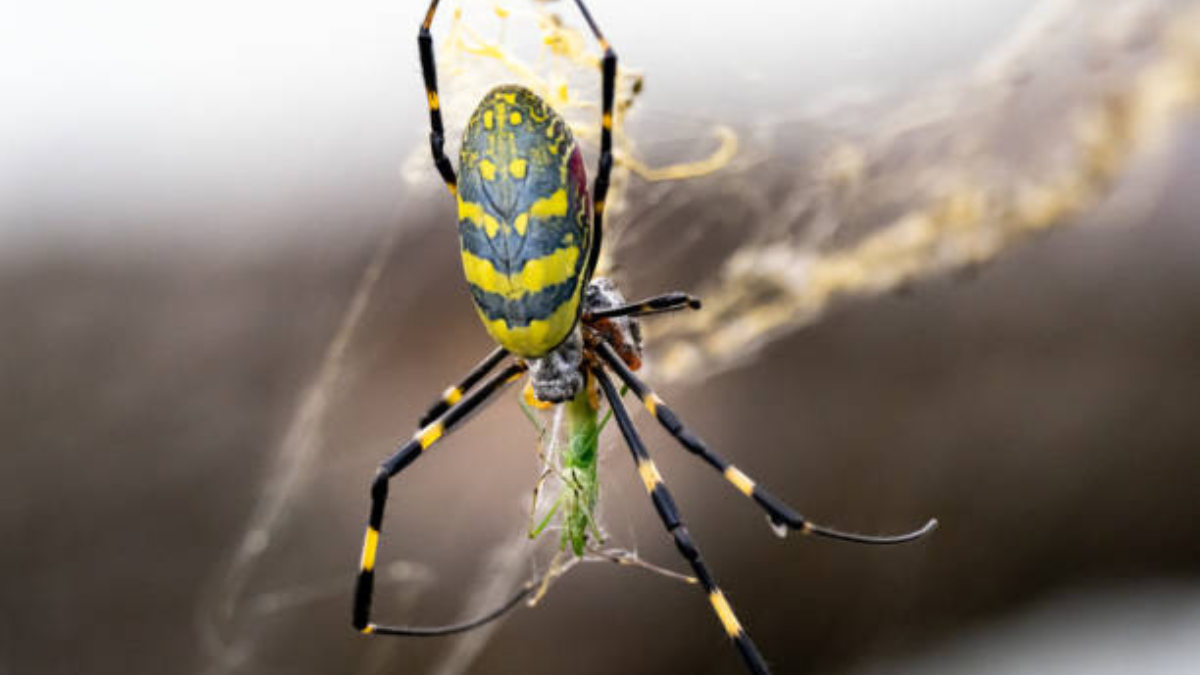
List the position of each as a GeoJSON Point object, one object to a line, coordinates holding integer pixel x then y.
{"type": "Point", "coordinates": [401, 459]}
{"type": "Point", "coordinates": [437, 134]}
{"type": "Point", "coordinates": [779, 512]}
{"type": "Point", "coordinates": [455, 393]}
{"type": "Point", "coordinates": [659, 304]}
{"type": "Point", "coordinates": [664, 504]}
{"type": "Point", "coordinates": [608, 84]}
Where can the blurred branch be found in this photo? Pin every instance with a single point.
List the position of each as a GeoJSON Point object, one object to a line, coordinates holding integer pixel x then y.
{"type": "Point", "coordinates": [1087, 88]}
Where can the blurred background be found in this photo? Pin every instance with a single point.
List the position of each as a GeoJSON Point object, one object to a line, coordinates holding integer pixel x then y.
{"type": "Point", "coordinates": [949, 256]}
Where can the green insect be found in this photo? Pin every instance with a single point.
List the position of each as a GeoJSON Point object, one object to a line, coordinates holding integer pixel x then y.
{"type": "Point", "coordinates": [530, 238]}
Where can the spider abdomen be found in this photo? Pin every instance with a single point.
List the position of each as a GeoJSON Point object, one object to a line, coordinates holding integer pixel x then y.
{"type": "Point", "coordinates": [523, 221]}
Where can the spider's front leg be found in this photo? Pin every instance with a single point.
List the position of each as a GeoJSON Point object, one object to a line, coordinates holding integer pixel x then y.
{"type": "Point", "coordinates": [778, 511]}
{"type": "Point", "coordinates": [437, 132]}
{"type": "Point", "coordinates": [658, 304]}
{"type": "Point", "coordinates": [608, 87]}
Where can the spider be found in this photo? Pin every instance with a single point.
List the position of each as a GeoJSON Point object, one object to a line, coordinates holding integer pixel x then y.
{"type": "Point", "coordinates": [530, 238]}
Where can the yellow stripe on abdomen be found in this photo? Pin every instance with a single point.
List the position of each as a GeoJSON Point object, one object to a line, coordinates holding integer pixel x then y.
{"type": "Point", "coordinates": [550, 207]}
{"type": "Point", "coordinates": [475, 214]}
{"type": "Point", "coordinates": [540, 336]}
{"type": "Point", "coordinates": [483, 274]}
{"type": "Point", "coordinates": [537, 274]}
{"type": "Point", "coordinates": [541, 273]}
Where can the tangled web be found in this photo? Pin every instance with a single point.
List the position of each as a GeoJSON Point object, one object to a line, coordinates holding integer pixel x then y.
{"type": "Point", "coordinates": [905, 188]}
{"type": "Point", "coordinates": [840, 199]}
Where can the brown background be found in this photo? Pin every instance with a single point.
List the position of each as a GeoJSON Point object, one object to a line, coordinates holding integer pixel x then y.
{"type": "Point", "coordinates": [159, 329]}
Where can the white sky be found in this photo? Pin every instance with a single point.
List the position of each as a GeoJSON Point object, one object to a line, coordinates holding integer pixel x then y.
{"type": "Point", "coordinates": [135, 104]}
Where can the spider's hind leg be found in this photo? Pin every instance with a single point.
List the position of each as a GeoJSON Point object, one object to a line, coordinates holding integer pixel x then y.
{"type": "Point", "coordinates": [664, 504]}
{"type": "Point", "coordinates": [426, 437]}
{"type": "Point", "coordinates": [780, 514]}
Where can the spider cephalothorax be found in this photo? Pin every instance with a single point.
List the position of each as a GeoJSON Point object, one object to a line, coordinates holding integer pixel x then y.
{"type": "Point", "coordinates": [559, 375]}
{"type": "Point", "coordinates": [530, 238]}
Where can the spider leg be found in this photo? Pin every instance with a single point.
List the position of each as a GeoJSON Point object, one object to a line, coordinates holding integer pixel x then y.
{"type": "Point", "coordinates": [669, 514]}
{"type": "Point", "coordinates": [455, 393]}
{"type": "Point", "coordinates": [437, 133]}
{"type": "Point", "coordinates": [779, 512]}
{"type": "Point", "coordinates": [659, 304]}
{"type": "Point", "coordinates": [608, 68]}
{"type": "Point", "coordinates": [402, 458]}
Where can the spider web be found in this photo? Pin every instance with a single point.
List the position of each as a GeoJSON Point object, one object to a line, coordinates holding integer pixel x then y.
{"type": "Point", "coordinates": [798, 210]}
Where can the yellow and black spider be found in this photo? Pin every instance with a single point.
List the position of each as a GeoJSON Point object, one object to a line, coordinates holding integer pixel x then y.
{"type": "Point", "coordinates": [530, 239]}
